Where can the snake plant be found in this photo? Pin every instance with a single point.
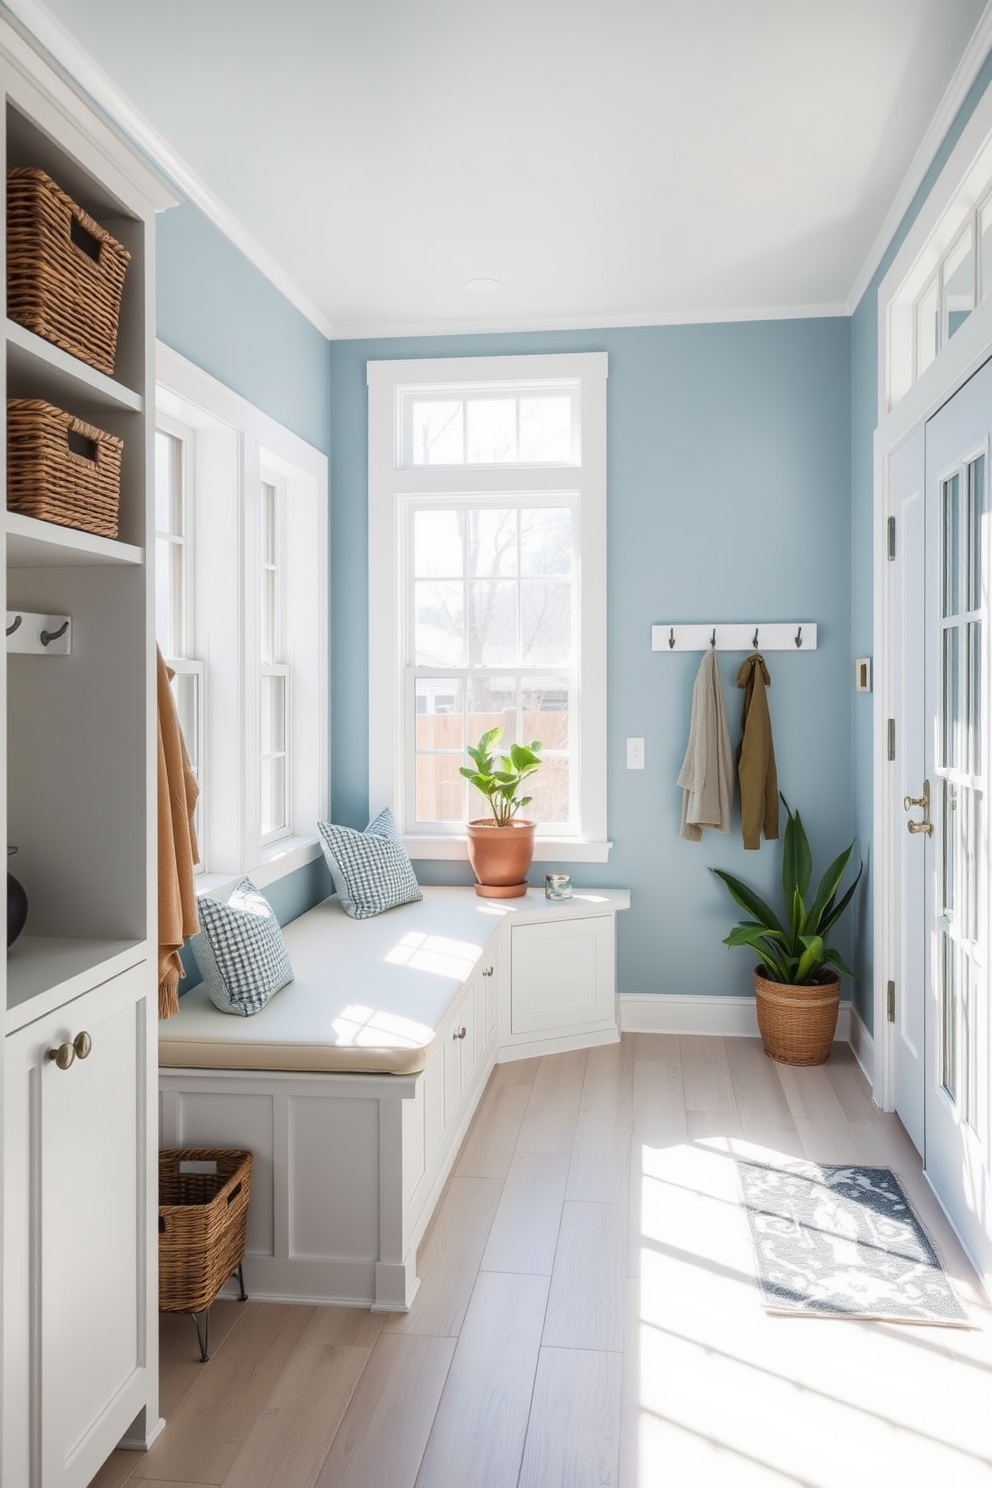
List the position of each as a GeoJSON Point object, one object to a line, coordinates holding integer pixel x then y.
{"type": "Point", "coordinates": [793, 948]}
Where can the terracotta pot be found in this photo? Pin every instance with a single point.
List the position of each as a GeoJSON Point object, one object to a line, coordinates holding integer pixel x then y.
{"type": "Point", "coordinates": [500, 857]}
{"type": "Point", "coordinates": [797, 1024]}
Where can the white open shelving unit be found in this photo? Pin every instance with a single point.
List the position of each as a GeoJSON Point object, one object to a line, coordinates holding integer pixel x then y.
{"type": "Point", "coordinates": [78, 799]}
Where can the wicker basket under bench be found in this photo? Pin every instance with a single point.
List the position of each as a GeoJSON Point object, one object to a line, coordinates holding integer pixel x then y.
{"type": "Point", "coordinates": [203, 1195]}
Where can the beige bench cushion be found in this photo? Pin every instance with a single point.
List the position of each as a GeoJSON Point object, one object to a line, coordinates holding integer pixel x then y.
{"type": "Point", "coordinates": [368, 995]}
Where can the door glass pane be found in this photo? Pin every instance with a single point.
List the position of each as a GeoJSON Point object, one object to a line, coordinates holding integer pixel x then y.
{"type": "Point", "coordinates": [949, 1018]}
{"type": "Point", "coordinates": [951, 699]}
{"type": "Point", "coordinates": [976, 508]}
{"type": "Point", "coordinates": [974, 703]}
{"type": "Point", "coordinates": [950, 834]}
{"type": "Point", "coordinates": [952, 545]}
{"type": "Point", "coordinates": [959, 284]}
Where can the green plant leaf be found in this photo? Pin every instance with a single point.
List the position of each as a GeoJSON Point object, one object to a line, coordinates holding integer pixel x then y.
{"type": "Point", "coordinates": [798, 908]}
{"type": "Point", "coordinates": [811, 959]}
{"type": "Point", "coordinates": [834, 913]}
{"type": "Point", "coordinates": [524, 757]}
{"type": "Point", "coordinates": [749, 900]}
{"type": "Point", "coordinates": [833, 958]}
{"type": "Point", "coordinates": [829, 884]}
{"type": "Point", "coordinates": [797, 859]}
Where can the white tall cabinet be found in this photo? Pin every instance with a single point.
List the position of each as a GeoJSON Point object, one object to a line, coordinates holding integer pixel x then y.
{"type": "Point", "coordinates": [79, 1216]}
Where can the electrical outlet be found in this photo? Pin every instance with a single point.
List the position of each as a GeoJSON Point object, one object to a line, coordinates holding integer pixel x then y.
{"type": "Point", "coordinates": [635, 754]}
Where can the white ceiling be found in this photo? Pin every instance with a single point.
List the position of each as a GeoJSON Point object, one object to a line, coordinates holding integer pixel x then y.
{"type": "Point", "coordinates": [610, 162]}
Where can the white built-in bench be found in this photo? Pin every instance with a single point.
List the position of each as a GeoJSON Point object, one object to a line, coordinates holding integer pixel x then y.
{"type": "Point", "coordinates": [355, 1085]}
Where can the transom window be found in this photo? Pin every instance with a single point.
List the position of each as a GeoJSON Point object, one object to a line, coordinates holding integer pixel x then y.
{"type": "Point", "coordinates": [487, 590]}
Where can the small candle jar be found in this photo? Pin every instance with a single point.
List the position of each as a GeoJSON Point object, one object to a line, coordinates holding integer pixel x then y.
{"type": "Point", "coordinates": [557, 886]}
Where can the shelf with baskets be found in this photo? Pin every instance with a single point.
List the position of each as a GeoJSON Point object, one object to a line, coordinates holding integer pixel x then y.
{"type": "Point", "coordinates": [79, 996]}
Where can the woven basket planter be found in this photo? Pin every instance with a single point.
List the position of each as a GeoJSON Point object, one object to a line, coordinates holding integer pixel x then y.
{"type": "Point", "coordinates": [797, 1024]}
{"type": "Point", "coordinates": [61, 469]}
{"type": "Point", "coordinates": [202, 1218]}
{"type": "Point", "coordinates": [65, 273]}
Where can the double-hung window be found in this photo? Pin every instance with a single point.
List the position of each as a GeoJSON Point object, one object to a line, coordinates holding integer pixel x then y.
{"type": "Point", "coordinates": [174, 583]}
{"type": "Point", "coordinates": [241, 583]}
{"type": "Point", "coordinates": [487, 540]}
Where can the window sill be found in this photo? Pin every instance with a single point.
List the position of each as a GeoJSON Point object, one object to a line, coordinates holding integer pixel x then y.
{"type": "Point", "coordinates": [279, 860]}
{"type": "Point", "coordinates": [546, 849]}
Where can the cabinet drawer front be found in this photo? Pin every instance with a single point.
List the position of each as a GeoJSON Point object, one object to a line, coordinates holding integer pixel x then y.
{"type": "Point", "coordinates": [562, 976]}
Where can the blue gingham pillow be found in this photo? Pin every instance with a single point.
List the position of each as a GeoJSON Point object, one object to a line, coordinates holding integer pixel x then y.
{"type": "Point", "coordinates": [370, 869]}
{"type": "Point", "coordinates": [240, 951]}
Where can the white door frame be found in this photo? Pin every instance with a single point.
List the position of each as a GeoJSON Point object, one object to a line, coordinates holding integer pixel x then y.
{"type": "Point", "coordinates": [970, 348]}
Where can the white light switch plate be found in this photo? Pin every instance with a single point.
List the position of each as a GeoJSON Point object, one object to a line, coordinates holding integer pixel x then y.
{"type": "Point", "coordinates": [635, 754]}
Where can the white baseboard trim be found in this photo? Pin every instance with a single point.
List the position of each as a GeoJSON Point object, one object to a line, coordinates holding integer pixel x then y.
{"type": "Point", "coordinates": [727, 1017]}
{"type": "Point", "coordinates": [863, 1045]}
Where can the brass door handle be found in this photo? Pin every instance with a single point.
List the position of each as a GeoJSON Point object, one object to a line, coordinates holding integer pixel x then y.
{"type": "Point", "coordinates": [66, 1053]}
{"type": "Point", "coordinates": [923, 801]}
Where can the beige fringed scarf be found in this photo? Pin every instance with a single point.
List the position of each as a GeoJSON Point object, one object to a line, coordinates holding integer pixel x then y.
{"type": "Point", "coordinates": [177, 848]}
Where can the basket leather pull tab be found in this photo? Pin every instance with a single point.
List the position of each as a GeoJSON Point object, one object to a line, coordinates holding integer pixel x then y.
{"type": "Point", "coordinates": [80, 445]}
{"type": "Point", "coordinates": [84, 240]}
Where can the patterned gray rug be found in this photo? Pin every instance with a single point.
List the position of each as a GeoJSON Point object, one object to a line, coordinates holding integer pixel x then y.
{"type": "Point", "coordinates": [843, 1242]}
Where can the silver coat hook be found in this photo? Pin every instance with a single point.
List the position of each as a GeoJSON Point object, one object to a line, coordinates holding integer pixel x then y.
{"type": "Point", "coordinates": [713, 638]}
{"type": "Point", "coordinates": [754, 643]}
{"type": "Point", "coordinates": [799, 636]}
{"type": "Point", "coordinates": [671, 637]}
{"type": "Point", "coordinates": [54, 635]}
{"type": "Point", "coordinates": [15, 626]}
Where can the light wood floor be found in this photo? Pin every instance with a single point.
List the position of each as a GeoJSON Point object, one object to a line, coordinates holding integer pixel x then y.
{"type": "Point", "coordinates": [587, 1314]}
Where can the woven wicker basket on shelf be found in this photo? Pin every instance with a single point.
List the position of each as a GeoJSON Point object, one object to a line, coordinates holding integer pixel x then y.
{"type": "Point", "coordinates": [65, 273]}
{"type": "Point", "coordinates": [202, 1218]}
{"type": "Point", "coordinates": [61, 469]}
{"type": "Point", "coordinates": [797, 1024]}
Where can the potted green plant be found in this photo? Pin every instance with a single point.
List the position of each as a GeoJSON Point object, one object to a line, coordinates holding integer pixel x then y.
{"type": "Point", "coordinates": [501, 847]}
{"type": "Point", "coordinates": [797, 985]}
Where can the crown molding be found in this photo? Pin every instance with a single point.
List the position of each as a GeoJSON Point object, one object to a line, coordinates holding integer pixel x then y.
{"type": "Point", "coordinates": [383, 332]}
{"type": "Point", "coordinates": [79, 67]}
{"type": "Point", "coordinates": [957, 91]}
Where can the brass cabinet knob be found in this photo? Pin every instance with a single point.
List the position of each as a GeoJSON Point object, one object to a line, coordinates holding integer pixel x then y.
{"type": "Point", "coordinates": [65, 1054]}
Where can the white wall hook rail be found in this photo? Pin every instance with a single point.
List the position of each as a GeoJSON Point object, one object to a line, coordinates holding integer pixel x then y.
{"type": "Point", "coordinates": [788, 635]}
{"type": "Point", "coordinates": [38, 635]}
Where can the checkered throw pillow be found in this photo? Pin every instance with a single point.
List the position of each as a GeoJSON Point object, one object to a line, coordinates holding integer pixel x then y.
{"type": "Point", "coordinates": [370, 869]}
{"type": "Point", "coordinates": [240, 951]}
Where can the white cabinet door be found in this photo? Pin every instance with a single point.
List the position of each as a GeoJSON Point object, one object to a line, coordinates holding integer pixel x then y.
{"type": "Point", "coordinates": [76, 1195]}
{"type": "Point", "coordinates": [562, 976]}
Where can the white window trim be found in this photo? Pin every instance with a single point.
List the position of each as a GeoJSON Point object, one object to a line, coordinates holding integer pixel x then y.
{"type": "Point", "coordinates": [235, 442]}
{"type": "Point", "coordinates": [386, 482]}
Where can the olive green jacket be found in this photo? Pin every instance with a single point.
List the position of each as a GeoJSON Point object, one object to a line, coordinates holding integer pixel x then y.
{"type": "Point", "coordinates": [756, 756]}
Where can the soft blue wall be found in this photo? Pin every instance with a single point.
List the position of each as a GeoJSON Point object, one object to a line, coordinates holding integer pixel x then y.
{"type": "Point", "coordinates": [864, 421]}
{"type": "Point", "coordinates": [729, 499]}
{"type": "Point", "coordinates": [221, 313]}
